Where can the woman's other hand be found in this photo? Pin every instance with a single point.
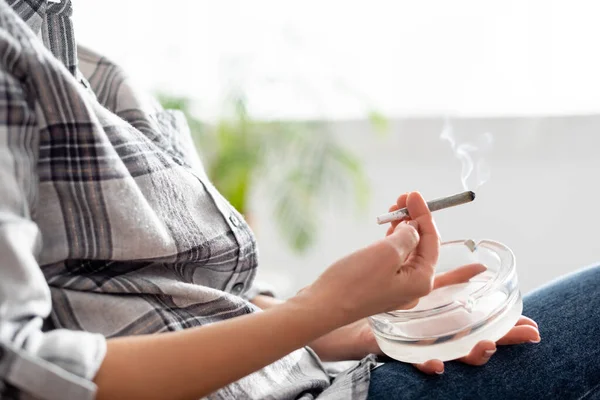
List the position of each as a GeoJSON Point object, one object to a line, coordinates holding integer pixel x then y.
{"type": "Point", "coordinates": [356, 340]}
{"type": "Point", "coordinates": [524, 331]}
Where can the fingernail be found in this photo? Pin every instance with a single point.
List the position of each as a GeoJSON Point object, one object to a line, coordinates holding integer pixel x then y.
{"type": "Point", "coordinates": [439, 372]}
{"type": "Point", "coordinates": [536, 340]}
{"type": "Point", "coordinates": [414, 224]}
{"type": "Point", "coordinates": [488, 353]}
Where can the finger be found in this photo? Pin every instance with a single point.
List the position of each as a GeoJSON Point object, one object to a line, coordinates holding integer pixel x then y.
{"type": "Point", "coordinates": [394, 223]}
{"type": "Point", "coordinates": [458, 275]}
{"type": "Point", "coordinates": [389, 231]}
{"type": "Point", "coordinates": [431, 367]}
{"type": "Point", "coordinates": [428, 249]}
{"type": "Point", "coordinates": [480, 354]}
{"type": "Point", "coordinates": [527, 321]}
{"type": "Point", "coordinates": [520, 334]}
{"type": "Point", "coordinates": [400, 203]}
{"type": "Point", "coordinates": [437, 231]}
{"type": "Point", "coordinates": [407, 306]}
{"type": "Point", "coordinates": [404, 239]}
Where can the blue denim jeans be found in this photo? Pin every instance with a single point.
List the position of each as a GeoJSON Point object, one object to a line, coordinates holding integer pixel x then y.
{"type": "Point", "coordinates": [564, 365]}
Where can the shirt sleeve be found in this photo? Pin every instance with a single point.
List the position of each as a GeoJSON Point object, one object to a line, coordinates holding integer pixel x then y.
{"type": "Point", "coordinates": [58, 364]}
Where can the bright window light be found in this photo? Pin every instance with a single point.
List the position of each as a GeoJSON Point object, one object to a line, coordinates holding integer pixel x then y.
{"type": "Point", "coordinates": [339, 59]}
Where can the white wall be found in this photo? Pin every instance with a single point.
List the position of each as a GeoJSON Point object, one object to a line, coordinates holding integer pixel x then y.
{"type": "Point", "coordinates": [541, 200]}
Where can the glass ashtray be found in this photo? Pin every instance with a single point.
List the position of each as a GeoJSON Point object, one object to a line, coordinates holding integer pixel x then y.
{"type": "Point", "coordinates": [476, 297]}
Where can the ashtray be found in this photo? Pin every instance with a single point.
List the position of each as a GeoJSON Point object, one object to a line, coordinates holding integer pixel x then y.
{"type": "Point", "coordinates": [476, 298]}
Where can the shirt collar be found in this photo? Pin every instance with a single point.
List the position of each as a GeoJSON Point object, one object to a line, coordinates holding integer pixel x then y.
{"type": "Point", "coordinates": [51, 22]}
{"type": "Point", "coordinates": [33, 12]}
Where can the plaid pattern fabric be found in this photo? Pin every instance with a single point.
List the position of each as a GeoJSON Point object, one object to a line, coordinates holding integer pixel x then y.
{"type": "Point", "coordinates": [109, 225]}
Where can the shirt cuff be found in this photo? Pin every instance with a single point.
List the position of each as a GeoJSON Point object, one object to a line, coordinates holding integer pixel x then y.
{"type": "Point", "coordinates": [58, 364]}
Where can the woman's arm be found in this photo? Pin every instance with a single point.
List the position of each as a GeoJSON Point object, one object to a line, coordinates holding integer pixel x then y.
{"type": "Point", "coordinates": [193, 363]}
{"type": "Point", "coordinates": [350, 342]}
{"type": "Point", "coordinates": [391, 273]}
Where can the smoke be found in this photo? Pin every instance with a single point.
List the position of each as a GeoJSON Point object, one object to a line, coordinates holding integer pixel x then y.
{"type": "Point", "coordinates": [475, 171]}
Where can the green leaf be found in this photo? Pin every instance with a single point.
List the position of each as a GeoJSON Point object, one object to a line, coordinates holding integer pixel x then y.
{"type": "Point", "coordinates": [295, 212]}
{"type": "Point", "coordinates": [379, 122]}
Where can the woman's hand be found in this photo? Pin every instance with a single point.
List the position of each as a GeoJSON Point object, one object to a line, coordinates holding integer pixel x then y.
{"type": "Point", "coordinates": [356, 340]}
{"type": "Point", "coordinates": [524, 331]}
{"type": "Point", "coordinates": [390, 274]}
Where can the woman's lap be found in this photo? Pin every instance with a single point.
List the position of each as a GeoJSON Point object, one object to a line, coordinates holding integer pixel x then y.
{"type": "Point", "coordinates": [564, 365]}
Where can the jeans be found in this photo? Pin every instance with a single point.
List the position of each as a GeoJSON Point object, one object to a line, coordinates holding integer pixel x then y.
{"type": "Point", "coordinates": [564, 365]}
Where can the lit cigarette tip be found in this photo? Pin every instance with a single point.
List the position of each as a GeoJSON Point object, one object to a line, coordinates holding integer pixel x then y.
{"type": "Point", "coordinates": [434, 205]}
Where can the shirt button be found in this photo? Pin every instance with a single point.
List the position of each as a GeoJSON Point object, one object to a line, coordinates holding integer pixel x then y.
{"type": "Point", "coordinates": [234, 221]}
{"type": "Point", "coordinates": [178, 160]}
{"type": "Point", "coordinates": [237, 288]}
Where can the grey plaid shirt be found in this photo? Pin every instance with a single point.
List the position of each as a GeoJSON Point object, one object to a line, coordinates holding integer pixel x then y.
{"type": "Point", "coordinates": [109, 225]}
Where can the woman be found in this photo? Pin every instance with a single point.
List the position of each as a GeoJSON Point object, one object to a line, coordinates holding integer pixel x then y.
{"type": "Point", "coordinates": [124, 273]}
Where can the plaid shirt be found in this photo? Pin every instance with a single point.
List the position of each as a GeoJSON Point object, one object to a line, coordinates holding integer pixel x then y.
{"type": "Point", "coordinates": [109, 225]}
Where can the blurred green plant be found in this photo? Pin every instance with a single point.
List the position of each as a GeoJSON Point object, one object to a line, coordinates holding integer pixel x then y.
{"type": "Point", "coordinates": [302, 166]}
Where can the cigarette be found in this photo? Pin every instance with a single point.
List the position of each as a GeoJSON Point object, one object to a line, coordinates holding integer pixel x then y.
{"type": "Point", "coordinates": [434, 205]}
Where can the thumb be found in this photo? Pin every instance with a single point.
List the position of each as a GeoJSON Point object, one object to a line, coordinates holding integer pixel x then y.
{"type": "Point", "coordinates": [405, 238]}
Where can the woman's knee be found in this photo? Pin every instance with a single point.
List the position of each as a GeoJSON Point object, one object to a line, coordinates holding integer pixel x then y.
{"type": "Point", "coordinates": [566, 302]}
